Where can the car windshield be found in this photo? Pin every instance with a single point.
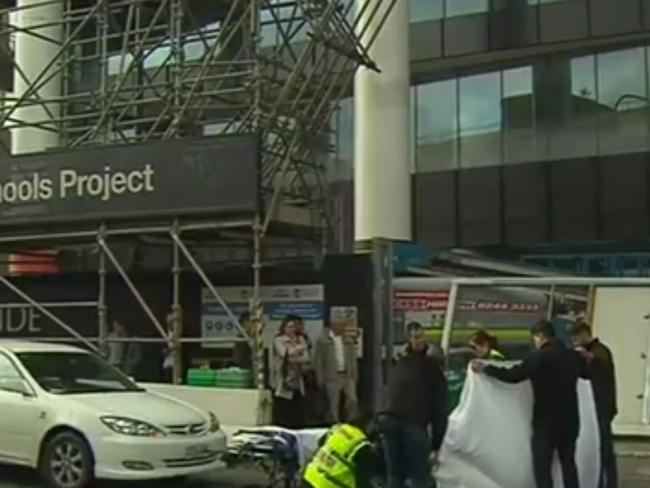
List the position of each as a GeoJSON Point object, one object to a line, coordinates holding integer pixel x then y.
{"type": "Point", "coordinates": [68, 373]}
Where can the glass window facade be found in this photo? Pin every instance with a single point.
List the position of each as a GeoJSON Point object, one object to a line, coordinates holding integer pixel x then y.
{"type": "Point", "coordinates": [623, 97]}
{"type": "Point", "coordinates": [422, 10]}
{"type": "Point", "coordinates": [466, 7]}
{"type": "Point", "coordinates": [518, 115]}
{"type": "Point", "coordinates": [557, 107]}
{"type": "Point", "coordinates": [480, 119]}
{"type": "Point", "coordinates": [436, 126]}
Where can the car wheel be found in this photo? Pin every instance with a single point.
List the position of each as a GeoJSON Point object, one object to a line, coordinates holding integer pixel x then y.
{"type": "Point", "coordinates": [67, 461]}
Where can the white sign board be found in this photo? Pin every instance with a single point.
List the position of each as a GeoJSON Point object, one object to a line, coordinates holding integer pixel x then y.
{"type": "Point", "coordinates": [307, 301]}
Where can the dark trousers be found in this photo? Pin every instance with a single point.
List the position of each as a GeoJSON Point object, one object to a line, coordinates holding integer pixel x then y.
{"type": "Point", "coordinates": [608, 468]}
{"type": "Point", "coordinates": [407, 449]}
{"type": "Point", "coordinates": [544, 447]}
{"type": "Point", "coordinates": [290, 414]}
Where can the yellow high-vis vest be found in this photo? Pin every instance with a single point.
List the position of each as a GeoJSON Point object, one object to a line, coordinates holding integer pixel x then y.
{"type": "Point", "coordinates": [333, 464]}
{"type": "Point", "coordinates": [496, 355]}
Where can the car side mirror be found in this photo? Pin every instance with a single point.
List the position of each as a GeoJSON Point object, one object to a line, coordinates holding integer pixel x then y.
{"type": "Point", "coordinates": [16, 385]}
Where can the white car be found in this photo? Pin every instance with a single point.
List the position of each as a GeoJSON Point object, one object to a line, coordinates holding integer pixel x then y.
{"type": "Point", "coordinates": [67, 413]}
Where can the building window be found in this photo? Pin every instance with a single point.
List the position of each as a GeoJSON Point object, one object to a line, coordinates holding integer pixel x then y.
{"type": "Point", "coordinates": [422, 10]}
{"type": "Point", "coordinates": [199, 43]}
{"type": "Point", "coordinates": [466, 7]}
{"type": "Point", "coordinates": [480, 120]}
{"type": "Point", "coordinates": [157, 57]}
{"type": "Point", "coordinates": [518, 111]}
{"type": "Point", "coordinates": [436, 126]}
{"type": "Point", "coordinates": [118, 64]}
{"type": "Point", "coordinates": [568, 110]}
{"type": "Point", "coordinates": [413, 128]}
{"type": "Point", "coordinates": [623, 101]}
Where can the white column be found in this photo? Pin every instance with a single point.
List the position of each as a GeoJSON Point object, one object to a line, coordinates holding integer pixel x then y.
{"type": "Point", "coordinates": [382, 176]}
{"type": "Point", "coordinates": [32, 55]}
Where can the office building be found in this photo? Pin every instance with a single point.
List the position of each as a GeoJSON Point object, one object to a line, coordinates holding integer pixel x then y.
{"type": "Point", "coordinates": [530, 130]}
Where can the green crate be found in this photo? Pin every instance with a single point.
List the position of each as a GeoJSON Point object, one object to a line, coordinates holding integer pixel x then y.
{"type": "Point", "coordinates": [234, 378]}
{"type": "Point", "coordinates": [201, 377]}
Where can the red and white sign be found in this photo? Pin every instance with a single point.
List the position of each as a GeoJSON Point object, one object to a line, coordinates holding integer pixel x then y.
{"type": "Point", "coordinates": [35, 263]}
{"type": "Point", "coordinates": [420, 301]}
{"type": "Point", "coordinates": [427, 308]}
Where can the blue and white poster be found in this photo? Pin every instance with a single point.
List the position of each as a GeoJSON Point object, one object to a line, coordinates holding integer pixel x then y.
{"type": "Point", "coordinates": [217, 326]}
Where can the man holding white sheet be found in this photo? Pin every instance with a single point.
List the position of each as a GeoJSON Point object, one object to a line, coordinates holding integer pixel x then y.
{"type": "Point", "coordinates": [553, 371]}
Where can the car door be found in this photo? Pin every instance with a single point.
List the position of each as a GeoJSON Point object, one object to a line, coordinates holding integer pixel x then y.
{"type": "Point", "coordinates": [19, 414]}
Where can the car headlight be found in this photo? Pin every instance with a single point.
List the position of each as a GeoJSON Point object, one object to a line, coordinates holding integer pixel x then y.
{"type": "Point", "coordinates": [131, 427]}
{"type": "Point", "coordinates": [214, 422]}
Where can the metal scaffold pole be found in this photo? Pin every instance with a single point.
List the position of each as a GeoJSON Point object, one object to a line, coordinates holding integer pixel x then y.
{"type": "Point", "coordinates": [257, 311]}
{"type": "Point", "coordinates": [102, 309]}
{"type": "Point", "coordinates": [101, 73]}
{"type": "Point", "coordinates": [174, 342]}
{"type": "Point", "coordinates": [132, 71]}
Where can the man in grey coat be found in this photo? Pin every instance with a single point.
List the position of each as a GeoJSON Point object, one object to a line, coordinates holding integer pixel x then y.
{"type": "Point", "coordinates": [335, 366]}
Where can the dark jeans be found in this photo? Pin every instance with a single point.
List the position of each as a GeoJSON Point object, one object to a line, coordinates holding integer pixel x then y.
{"type": "Point", "coordinates": [608, 468]}
{"type": "Point", "coordinates": [407, 449]}
{"type": "Point", "coordinates": [544, 446]}
{"type": "Point", "coordinates": [290, 414]}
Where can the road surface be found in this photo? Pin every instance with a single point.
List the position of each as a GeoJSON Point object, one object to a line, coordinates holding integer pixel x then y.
{"type": "Point", "coordinates": [21, 478]}
{"type": "Point", "coordinates": [634, 464]}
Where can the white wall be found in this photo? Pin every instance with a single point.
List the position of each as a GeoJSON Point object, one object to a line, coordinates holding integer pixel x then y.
{"type": "Point", "coordinates": [619, 320]}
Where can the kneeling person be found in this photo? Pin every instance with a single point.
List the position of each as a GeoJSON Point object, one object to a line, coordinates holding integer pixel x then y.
{"type": "Point", "coordinates": [347, 458]}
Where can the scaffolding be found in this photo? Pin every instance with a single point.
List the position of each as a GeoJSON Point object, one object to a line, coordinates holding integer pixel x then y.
{"type": "Point", "coordinates": [134, 71]}
{"type": "Point", "coordinates": [139, 70]}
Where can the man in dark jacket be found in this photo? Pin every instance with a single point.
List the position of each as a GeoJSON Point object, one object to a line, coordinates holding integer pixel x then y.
{"type": "Point", "coordinates": [415, 401]}
{"type": "Point", "coordinates": [553, 371]}
{"type": "Point", "coordinates": [603, 382]}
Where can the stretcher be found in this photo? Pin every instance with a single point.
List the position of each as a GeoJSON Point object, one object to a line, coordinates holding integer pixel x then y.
{"type": "Point", "coordinates": [281, 454]}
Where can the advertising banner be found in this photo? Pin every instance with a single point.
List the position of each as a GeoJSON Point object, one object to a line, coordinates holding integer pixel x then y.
{"type": "Point", "coordinates": [504, 309]}
{"type": "Point", "coordinates": [175, 178]}
{"type": "Point", "coordinates": [427, 308]}
{"type": "Point", "coordinates": [307, 301]}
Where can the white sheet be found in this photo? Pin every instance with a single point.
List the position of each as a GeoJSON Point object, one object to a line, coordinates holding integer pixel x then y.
{"type": "Point", "coordinates": [488, 440]}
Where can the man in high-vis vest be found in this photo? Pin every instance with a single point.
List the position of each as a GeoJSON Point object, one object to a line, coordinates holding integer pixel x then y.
{"type": "Point", "coordinates": [347, 458]}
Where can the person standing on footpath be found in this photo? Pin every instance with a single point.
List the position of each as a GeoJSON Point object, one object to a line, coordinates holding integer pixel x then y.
{"type": "Point", "coordinates": [123, 353]}
{"type": "Point", "coordinates": [434, 350]}
{"type": "Point", "coordinates": [302, 331]}
{"type": "Point", "coordinates": [485, 346]}
{"type": "Point", "coordinates": [553, 370]}
{"type": "Point", "coordinates": [416, 402]}
{"type": "Point", "coordinates": [335, 366]}
{"type": "Point", "coordinates": [314, 403]}
{"type": "Point", "coordinates": [291, 359]}
{"type": "Point", "coordinates": [603, 382]}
